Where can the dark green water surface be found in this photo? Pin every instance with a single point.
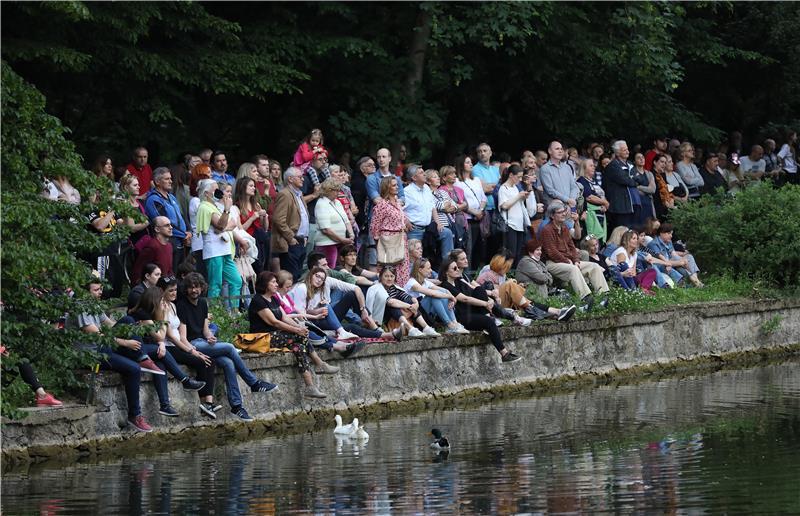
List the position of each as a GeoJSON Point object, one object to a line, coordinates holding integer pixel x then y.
{"type": "Point", "coordinates": [724, 442]}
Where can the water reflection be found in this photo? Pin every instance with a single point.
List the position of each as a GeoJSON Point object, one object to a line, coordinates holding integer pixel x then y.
{"type": "Point", "coordinates": [725, 442]}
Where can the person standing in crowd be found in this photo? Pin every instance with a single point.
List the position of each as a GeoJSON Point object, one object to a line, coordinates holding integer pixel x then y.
{"type": "Point", "coordinates": [558, 178]}
{"type": "Point", "coordinates": [787, 157]}
{"type": "Point", "coordinates": [513, 210]}
{"type": "Point", "coordinates": [365, 167]}
{"type": "Point", "coordinates": [192, 311]}
{"type": "Point", "coordinates": [476, 204]}
{"type": "Point", "coordinates": [388, 218]}
{"type": "Point", "coordinates": [374, 181]}
{"type": "Point", "coordinates": [253, 219]}
{"type": "Point", "coordinates": [595, 203]}
{"type": "Point", "coordinates": [625, 204]}
{"type": "Point", "coordinates": [645, 191]}
{"type": "Point", "coordinates": [219, 168]}
{"type": "Point", "coordinates": [333, 224]}
{"type": "Point", "coordinates": [770, 158]}
{"type": "Point", "coordinates": [218, 242]}
{"type": "Point", "coordinates": [290, 224]}
{"type": "Point", "coordinates": [129, 192]}
{"type": "Point", "coordinates": [161, 202]}
{"type": "Point", "coordinates": [157, 250]}
{"type": "Point", "coordinates": [458, 222]}
{"type": "Point", "coordinates": [659, 147]}
{"type": "Point", "coordinates": [420, 208]}
{"type": "Point", "coordinates": [489, 176]}
{"type": "Point", "coordinates": [563, 259]}
{"type": "Point", "coordinates": [140, 168]}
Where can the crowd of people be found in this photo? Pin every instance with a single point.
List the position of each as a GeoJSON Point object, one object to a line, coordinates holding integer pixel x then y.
{"type": "Point", "coordinates": [331, 256]}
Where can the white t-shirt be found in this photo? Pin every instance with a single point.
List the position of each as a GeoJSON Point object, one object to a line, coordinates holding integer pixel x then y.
{"type": "Point", "coordinates": [330, 215]}
{"type": "Point", "coordinates": [747, 166]}
{"type": "Point", "coordinates": [473, 193]}
{"type": "Point", "coordinates": [517, 214]}
{"type": "Point", "coordinates": [630, 260]}
{"type": "Point", "coordinates": [409, 287]}
{"type": "Point", "coordinates": [788, 157]}
{"type": "Point", "coordinates": [197, 238]}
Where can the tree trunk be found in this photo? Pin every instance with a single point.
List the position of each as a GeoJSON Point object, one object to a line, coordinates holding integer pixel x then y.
{"type": "Point", "coordinates": [416, 56]}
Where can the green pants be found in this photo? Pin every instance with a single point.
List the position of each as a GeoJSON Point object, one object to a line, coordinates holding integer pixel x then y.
{"type": "Point", "coordinates": [219, 268]}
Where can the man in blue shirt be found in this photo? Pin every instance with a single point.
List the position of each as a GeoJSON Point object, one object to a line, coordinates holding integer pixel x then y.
{"type": "Point", "coordinates": [420, 208]}
{"type": "Point", "coordinates": [662, 247]}
{"type": "Point", "coordinates": [219, 169]}
{"type": "Point", "coordinates": [161, 202]}
{"type": "Point", "coordinates": [489, 176]}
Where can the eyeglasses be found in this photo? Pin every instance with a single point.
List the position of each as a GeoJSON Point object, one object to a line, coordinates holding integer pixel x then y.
{"type": "Point", "coordinates": [454, 268]}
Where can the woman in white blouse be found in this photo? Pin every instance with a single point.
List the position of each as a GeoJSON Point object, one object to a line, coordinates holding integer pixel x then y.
{"type": "Point", "coordinates": [476, 203]}
{"type": "Point", "coordinates": [334, 226]}
{"type": "Point", "coordinates": [513, 210]}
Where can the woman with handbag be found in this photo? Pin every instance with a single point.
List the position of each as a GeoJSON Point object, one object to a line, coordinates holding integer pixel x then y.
{"type": "Point", "coordinates": [388, 227]}
{"type": "Point", "coordinates": [335, 229]}
{"type": "Point", "coordinates": [476, 203]}
{"type": "Point", "coordinates": [513, 212]}
{"type": "Point", "coordinates": [458, 221]}
{"type": "Point", "coordinates": [267, 316]}
{"type": "Point", "coordinates": [253, 219]}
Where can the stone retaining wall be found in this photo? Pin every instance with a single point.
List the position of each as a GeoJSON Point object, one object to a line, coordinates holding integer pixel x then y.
{"type": "Point", "coordinates": [389, 375]}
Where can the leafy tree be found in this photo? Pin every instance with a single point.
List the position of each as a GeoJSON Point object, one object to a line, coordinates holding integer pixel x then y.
{"type": "Point", "coordinates": [40, 242]}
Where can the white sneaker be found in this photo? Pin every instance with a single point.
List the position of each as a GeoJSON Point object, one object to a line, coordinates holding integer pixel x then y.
{"type": "Point", "coordinates": [498, 322]}
{"type": "Point", "coordinates": [413, 332]}
{"type": "Point", "coordinates": [522, 321]}
{"type": "Point", "coordinates": [345, 335]}
{"type": "Point", "coordinates": [462, 330]}
{"type": "Point", "coordinates": [430, 332]}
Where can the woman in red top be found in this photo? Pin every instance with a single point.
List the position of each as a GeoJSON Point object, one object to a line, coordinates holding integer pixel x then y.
{"type": "Point", "coordinates": [254, 219]}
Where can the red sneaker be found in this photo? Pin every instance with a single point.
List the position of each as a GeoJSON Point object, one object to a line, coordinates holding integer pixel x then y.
{"type": "Point", "coordinates": [47, 401]}
{"type": "Point", "coordinates": [148, 366]}
{"type": "Point", "coordinates": [140, 424]}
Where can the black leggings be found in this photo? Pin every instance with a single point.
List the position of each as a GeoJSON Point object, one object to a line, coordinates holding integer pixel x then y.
{"type": "Point", "coordinates": [25, 371]}
{"type": "Point", "coordinates": [205, 373]}
{"type": "Point", "coordinates": [478, 319]}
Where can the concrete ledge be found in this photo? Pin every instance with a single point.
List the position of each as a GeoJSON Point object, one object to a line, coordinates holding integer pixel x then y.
{"type": "Point", "coordinates": [415, 374]}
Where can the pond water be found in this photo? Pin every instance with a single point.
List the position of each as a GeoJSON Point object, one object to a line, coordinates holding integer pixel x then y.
{"type": "Point", "coordinates": [724, 442]}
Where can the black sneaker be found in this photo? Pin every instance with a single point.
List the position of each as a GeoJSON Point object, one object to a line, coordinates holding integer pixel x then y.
{"type": "Point", "coordinates": [208, 409]}
{"type": "Point", "coordinates": [511, 357]}
{"type": "Point", "coordinates": [190, 384]}
{"type": "Point", "coordinates": [352, 349]}
{"type": "Point", "coordinates": [587, 303]}
{"type": "Point", "coordinates": [604, 302]}
{"type": "Point", "coordinates": [566, 313]}
{"type": "Point", "coordinates": [242, 414]}
{"type": "Point", "coordinates": [168, 411]}
{"type": "Point", "coordinates": [534, 312]}
{"type": "Point", "coordinates": [262, 386]}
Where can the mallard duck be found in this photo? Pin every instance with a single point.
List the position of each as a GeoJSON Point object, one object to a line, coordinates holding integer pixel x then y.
{"type": "Point", "coordinates": [441, 442]}
{"type": "Point", "coordinates": [345, 429]}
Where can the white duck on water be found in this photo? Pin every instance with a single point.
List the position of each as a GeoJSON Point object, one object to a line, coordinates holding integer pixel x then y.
{"type": "Point", "coordinates": [348, 430]}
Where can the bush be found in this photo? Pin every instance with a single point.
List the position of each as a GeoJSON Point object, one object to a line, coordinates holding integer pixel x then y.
{"type": "Point", "coordinates": [755, 234]}
{"type": "Point", "coordinates": [40, 242]}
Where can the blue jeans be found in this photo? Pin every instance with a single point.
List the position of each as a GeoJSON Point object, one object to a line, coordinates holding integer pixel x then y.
{"type": "Point", "coordinates": [226, 357]}
{"type": "Point", "coordinates": [438, 306]}
{"type": "Point", "coordinates": [445, 238]}
{"type": "Point", "coordinates": [131, 375]}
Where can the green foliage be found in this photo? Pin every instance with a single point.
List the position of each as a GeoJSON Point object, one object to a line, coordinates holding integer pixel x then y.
{"type": "Point", "coordinates": [254, 77]}
{"type": "Point", "coordinates": [752, 235]}
{"type": "Point", "coordinates": [40, 242]}
{"type": "Point", "coordinates": [772, 325]}
{"type": "Point", "coordinates": [230, 323]}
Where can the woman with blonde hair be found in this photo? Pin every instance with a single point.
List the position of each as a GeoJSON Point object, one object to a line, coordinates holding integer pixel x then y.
{"type": "Point", "coordinates": [390, 222]}
{"type": "Point", "coordinates": [334, 226]}
{"type": "Point", "coordinates": [688, 171]}
{"type": "Point", "coordinates": [434, 300]}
